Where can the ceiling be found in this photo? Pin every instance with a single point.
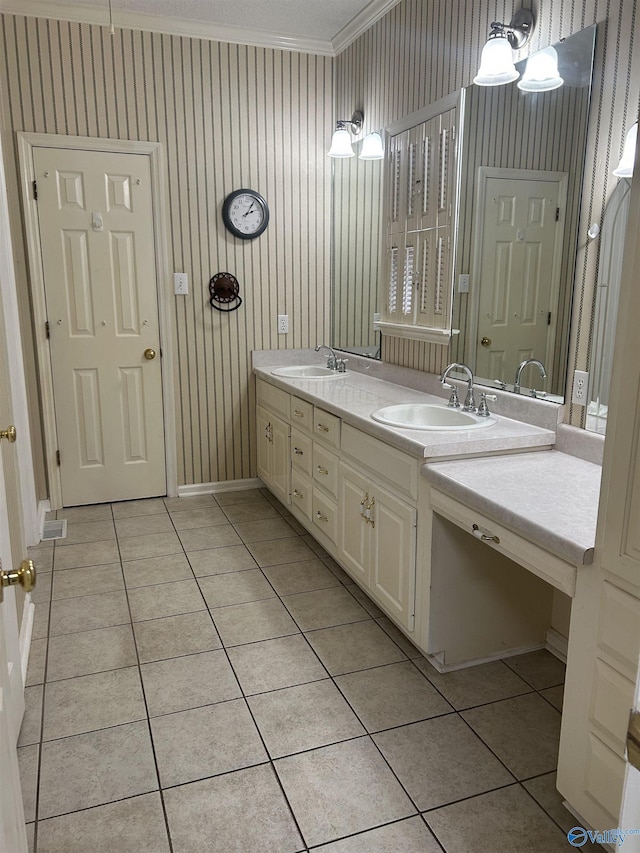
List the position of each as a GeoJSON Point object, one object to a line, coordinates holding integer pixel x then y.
{"type": "Point", "coordinates": [325, 27]}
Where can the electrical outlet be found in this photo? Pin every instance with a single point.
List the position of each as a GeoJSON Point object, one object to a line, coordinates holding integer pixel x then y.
{"type": "Point", "coordinates": [283, 324]}
{"type": "Point", "coordinates": [463, 283]}
{"type": "Point", "coordinates": [180, 283]}
{"type": "Point", "coordinates": [580, 387]}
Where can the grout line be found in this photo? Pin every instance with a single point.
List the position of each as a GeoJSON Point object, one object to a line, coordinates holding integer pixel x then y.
{"type": "Point", "coordinates": [146, 706]}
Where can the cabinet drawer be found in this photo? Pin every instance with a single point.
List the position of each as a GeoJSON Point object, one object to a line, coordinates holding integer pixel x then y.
{"type": "Point", "coordinates": [301, 413]}
{"type": "Point", "coordinates": [301, 492]}
{"type": "Point", "coordinates": [273, 398]}
{"type": "Point", "coordinates": [325, 469]}
{"type": "Point", "coordinates": [325, 515]}
{"type": "Point", "coordinates": [301, 451]}
{"type": "Point", "coordinates": [326, 427]}
{"type": "Point", "coordinates": [544, 564]}
{"type": "Point", "coordinates": [393, 465]}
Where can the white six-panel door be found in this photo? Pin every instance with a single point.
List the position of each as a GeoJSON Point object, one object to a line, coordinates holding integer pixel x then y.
{"type": "Point", "coordinates": [97, 239]}
{"type": "Point", "coordinates": [516, 264]}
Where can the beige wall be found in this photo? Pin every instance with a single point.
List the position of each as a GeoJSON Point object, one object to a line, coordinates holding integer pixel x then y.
{"type": "Point", "coordinates": [229, 116]}
{"type": "Point", "coordinates": [423, 50]}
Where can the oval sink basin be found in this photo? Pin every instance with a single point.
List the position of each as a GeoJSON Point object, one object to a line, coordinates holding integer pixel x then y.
{"type": "Point", "coordinates": [307, 371]}
{"type": "Point", "coordinates": [429, 416]}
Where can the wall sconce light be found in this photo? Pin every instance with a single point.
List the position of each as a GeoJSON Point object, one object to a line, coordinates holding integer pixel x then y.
{"type": "Point", "coordinates": [496, 61]}
{"type": "Point", "coordinates": [341, 139]}
{"type": "Point", "coordinates": [541, 72]}
{"type": "Point", "coordinates": [625, 166]}
{"type": "Point", "coordinates": [372, 147]}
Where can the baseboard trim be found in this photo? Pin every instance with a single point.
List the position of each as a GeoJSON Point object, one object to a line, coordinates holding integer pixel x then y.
{"type": "Point", "coordinates": [43, 508]}
{"type": "Point", "coordinates": [557, 644]}
{"type": "Point", "coordinates": [26, 632]}
{"type": "Point", "coordinates": [437, 663]}
{"type": "Point", "coordinates": [222, 486]}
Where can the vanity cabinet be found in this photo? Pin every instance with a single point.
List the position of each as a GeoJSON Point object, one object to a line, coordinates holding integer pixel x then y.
{"type": "Point", "coordinates": [364, 517]}
{"type": "Point", "coordinates": [421, 204]}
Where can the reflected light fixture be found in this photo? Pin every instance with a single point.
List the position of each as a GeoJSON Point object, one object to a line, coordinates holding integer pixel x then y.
{"type": "Point", "coordinates": [541, 72]}
{"type": "Point", "coordinates": [341, 139]}
{"type": "Point", "coordinates": [625, 166]}
{"type": "Point", "coordinates": [496, 61]}
{"type": "Point", "coordinates": [372, 147]}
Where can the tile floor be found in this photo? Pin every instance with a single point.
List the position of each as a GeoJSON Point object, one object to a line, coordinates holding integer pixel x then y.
{"type": "Point", "coordinates": [203, 677]}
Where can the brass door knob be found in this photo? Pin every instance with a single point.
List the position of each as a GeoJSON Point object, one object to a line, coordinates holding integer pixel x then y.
{"type": "Point", "coordinates": [486, 342]}
{"type": "Point", "coordinates": [25, 576]}
{"type": "Point", "coordinates": [149, 354]}
{"type": "Point", "coordinates": [9, 433]}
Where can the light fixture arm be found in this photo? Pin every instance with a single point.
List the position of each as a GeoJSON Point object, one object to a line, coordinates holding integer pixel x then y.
{"type": "Point", "coordinates": [354, 124]}
{"type": "Point", "coordinates": [518, 32]}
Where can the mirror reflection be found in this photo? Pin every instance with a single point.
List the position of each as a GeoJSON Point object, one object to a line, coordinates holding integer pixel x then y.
{"type": "Point", "coordinates": [612, 236]}
{"type": "Point", "coordinates": [521, 181]}
{"type": "Point", "coordinates": [523, 155]}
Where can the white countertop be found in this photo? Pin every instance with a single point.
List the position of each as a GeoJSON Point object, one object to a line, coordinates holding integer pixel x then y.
{"type": "Point", "coordinates": [551, 498]}
{"type": "Point", "coordinates": [354, 396]}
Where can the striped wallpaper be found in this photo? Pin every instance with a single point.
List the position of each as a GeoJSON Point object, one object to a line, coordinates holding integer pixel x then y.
{"type": "Point", "coordinates": [229, 116]}
{"type": "Point", "coordinates": [424, 49]}
{"type": "Point", "coordinates": [233, 115]}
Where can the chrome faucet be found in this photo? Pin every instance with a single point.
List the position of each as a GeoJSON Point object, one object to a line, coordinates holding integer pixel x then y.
{"type": "Point", "coordinates": [521, 367]}
{"type": "Point", "coordinates": [332, 359]}
{"type": "Point", "coordinates": [469, 402]}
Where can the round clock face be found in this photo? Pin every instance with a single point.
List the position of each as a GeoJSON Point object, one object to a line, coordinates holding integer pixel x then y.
{"type": "Point", "coordinates": [245, 213]}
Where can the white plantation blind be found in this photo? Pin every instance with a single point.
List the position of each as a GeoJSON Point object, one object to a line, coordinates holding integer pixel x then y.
{"type": "Point", "coordinates": [407, 280]}
{"type": "Point", "coordinates": [393, 280]}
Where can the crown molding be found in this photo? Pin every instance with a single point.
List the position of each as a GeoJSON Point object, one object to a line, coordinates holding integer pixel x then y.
{"type": "Point", "coordinates": [363, 20]}
{"type": "Point", "coordinates": [85, 14]}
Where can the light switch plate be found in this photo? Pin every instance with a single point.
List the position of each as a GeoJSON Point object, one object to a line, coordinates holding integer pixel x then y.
{"type": "Point", "coordinates": [463, 283]}
{"type": "Point", "coordinates": [180, 283]}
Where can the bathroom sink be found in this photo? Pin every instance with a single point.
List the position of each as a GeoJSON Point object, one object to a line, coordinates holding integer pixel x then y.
{"type": "Point", "coordinates": [307, 371]}
{"type": "Point", "coordinates": [429, 416]}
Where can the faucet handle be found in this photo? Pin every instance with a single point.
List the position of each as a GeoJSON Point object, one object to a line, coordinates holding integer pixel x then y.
{"type": "Point", "coordinates": [453, 403]}
{"type": "Point", "coordinates": [501, 385]}
{"type": "Point", "coordinates": [341, 365]}
{"type": "Point", "coordinates": [483, 409]}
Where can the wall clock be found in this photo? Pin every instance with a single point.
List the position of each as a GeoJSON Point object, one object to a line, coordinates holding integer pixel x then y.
{"type": "Point", "coordinates": [245, 214]}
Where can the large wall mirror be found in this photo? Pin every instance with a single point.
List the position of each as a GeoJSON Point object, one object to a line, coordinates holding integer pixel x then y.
{"type": "Point", "coordinates": [522, 158]}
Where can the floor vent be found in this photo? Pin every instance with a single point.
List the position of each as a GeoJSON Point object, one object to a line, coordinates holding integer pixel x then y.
{"type": "Point", "coordinates": [56, 529]}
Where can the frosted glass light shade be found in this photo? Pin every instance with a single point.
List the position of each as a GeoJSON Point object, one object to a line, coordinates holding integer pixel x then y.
{"type": "Point", "coordinates": [372, 147]}
{"type": "Point", "coordinates": [341, 144]}
{"type": "Point", "coordinates": [625, 166]}
{"type": "Point", "coordinates": [541, 72]}
{"type": "Point", "coordinates": [496, 63]}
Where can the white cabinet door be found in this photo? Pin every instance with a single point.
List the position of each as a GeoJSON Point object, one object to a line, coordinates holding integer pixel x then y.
{"type": "Point", "coordinates": [353, 538]}
{"type": "Point", "coordinates": [281, 466]}
{"type": "Point", "coordinates": [274, 455]}
{"type": "Point", "coordinates": [393, 554]}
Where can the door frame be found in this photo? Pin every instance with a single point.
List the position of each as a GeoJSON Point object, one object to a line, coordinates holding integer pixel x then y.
{"type": "Point", "coordinates": [485, 173]}
{"type": "Point", "coordinates": [159, 200]}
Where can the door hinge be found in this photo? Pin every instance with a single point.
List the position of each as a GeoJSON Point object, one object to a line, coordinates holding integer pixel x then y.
{"type": "Point", "coordinates": [557, 214]}
{"type": "Point", "coordinates": [57, 457]}
{"type": "Point", "coordinates": [35, 190]}
{"type": "Point", "coordinates": [549, 318]}
{"type": "Point", "coordinates": [47, 329]}
{"type": "Point", "coordinates": [633, 740]}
